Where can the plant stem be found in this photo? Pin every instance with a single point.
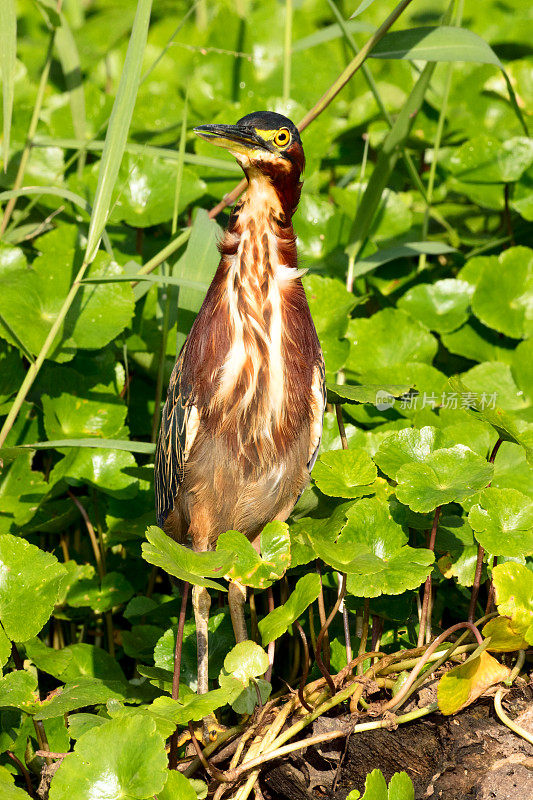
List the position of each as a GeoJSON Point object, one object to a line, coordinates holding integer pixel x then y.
{"type": "Point", "coordinates": [480, 551]}
{"type": "Point", "coordinates": [427, 586]}
{"type": "Point", "coordinates": [92, 536]}
{"type": "Point", "coordinates": [318, 655]}
{"type": "Point", "coordinates": [340, 423]}
{"type": "Point", "coordinates": [24, 772]}
{"type": "Point", "coordinates": [305, 672]}
{"type": "Point", "coordinates": [322, 617]}
{"type": "Point", "coordinates": [498, 701]}
{"type": "Point", "coordinates": [327, 737]}
{"type": "Point", "coordinates": [364, 634]}
{"type": "Point", "coordinates": [399, 698]}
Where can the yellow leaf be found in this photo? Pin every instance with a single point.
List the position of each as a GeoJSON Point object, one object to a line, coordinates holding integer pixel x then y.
{"type": "Point", "coordinates": [503, 637]}
{"type": "Point", "coordinates": [463, 684]}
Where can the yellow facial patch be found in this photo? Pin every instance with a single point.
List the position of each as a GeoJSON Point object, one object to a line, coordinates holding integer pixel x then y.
{"type": "Point", "coordinates": [281, 137]}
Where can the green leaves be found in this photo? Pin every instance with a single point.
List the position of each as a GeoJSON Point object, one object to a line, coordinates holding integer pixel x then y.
{"type": "Point", "coordinates": [242, 666]}
{"type": "Point", "coordinates": [485, 159]}
{"type": "Point", "coordinates": [503, 522]}
{"type": "Point", "coordinates": [383, 563]}
{"type": "Point", "coordinates": [85, 692]}
{"type": "Point", "coordinates": [278, 621]}
{"type": "Point", "coordinates": [330, 306]}
{"type": "Point", "coordinates": [388, 338]}
{"type": "Point", "coordinates": [124, 758]}
{"type": "Point", "coordinates": [343, 473]}
{"type": "Point", "coordinates": [30, 582]}
{"type": "Point", "coordinates": [17, 690]}
{"type": "Point", "coordinates": [501, 298]}
{"type": "Point", "coordinates": [436, 44]}
{"type": "Point", "coordinates": [408, 446]}
{"type": "Point", "coordinates": [442, 306]}
{"type": "Point", "coordinates": [144, 195]}
{"type": "Point", "coordinates": [449, 475]}
{"type": "Point", "coordinates": [30, 300]}
{"type": "Point", "coordinates": [247, 566]}
{"type": "Point", "coordinates": [184, 563]}
{"type": "Point", "coordinates": [400, 787]}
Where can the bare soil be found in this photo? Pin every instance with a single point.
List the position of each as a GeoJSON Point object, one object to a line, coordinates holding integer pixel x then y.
{"type": "Point", "coordinates": [470, 756]}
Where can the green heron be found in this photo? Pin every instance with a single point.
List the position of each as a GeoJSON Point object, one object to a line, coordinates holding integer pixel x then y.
{"type": "Point", "coordinates": [242, 422]}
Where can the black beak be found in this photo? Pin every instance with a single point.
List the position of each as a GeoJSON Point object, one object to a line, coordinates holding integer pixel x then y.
{"type": "Point", "coordinates": [236, 138]}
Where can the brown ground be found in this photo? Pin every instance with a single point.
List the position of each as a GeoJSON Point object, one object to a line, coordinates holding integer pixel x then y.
{"type": "Point", "coordinates": [470, 756]}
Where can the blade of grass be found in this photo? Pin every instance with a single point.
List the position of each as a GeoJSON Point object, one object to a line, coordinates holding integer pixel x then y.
{"type": "Point", "coordinates": [96, 145]}
{"type": "Point", "coordinates": [287, 52]}
{"type": "Point", "coordinates": [111, 158]}
{"type": "Point", "coordinates": [107, 444]}
{"type": "Point", "coordinates": [8, 59]}
{"type": "Point", "coordinates": [31, 132]}
{"type": "Point", "coordinates": [165, 302]}
{"type": "Point", "coordinates": [70, 64]}
{"type": "Point", "coordinates": [170, 279]}
{"type": "Point", "coordinates": [57, 191]}
{"type": "Point", "coordinates": [117, 132]}
{"type": "Point", "coordinates": [386, 162]}
{"type": "Point", "coordinates": [179, 171]}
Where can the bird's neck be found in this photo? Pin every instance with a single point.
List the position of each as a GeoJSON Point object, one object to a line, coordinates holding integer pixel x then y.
{"type": "Point", "coordinates": [258, 271]}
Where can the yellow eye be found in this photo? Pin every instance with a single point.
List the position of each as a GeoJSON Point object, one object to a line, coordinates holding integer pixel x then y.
{"type": "Point", "coordinates": [282, 138]}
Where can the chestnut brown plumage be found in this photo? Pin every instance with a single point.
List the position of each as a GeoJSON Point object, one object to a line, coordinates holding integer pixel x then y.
{"type": "Point", "coordinates": [243, 418]}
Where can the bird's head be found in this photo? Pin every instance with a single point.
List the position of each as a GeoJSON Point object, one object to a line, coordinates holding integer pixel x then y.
{"type": "Point", "coordinates": [263, 142]}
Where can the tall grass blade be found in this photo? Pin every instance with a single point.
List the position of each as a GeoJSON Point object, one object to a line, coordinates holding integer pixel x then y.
{"type": "Point", "coordinates": [8, 57]}
{"type": "Point", "coordinates": [179, 171]}
{"type": "Point", "coordinates": [70, 64]}
{"type": "Point", "coordinates": [119, 124]}
{"type": "Point", "coordinates": [361, 7]}
{"type": "Point", "coordinates": [386, 162]}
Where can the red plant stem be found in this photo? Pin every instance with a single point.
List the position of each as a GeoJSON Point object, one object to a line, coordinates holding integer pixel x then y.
{"type": "Point", "coordinates": [427, 586]}
{"type": "Point", "coordinates": [377, 628]}
{"type": "Point", "coordinates": [323, 631]}
{"type": "Point", "coordinates": [173, 754]}
{"type": "Point", "coordinates": [490, 596]}
{"type": "Point", "coordinates": [305, 672]}
{"type": "Point", "coordinates": [480, 553]}
{"type": "Point", "coordinates": [24, 772]}
{"type": "Point", "coordinates": [322, 616]}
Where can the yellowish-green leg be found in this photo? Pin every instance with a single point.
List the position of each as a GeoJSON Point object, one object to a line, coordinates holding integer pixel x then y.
{"type": "Point", "coordinates": [237, 601]}
{"type": "Point", "coordinates": [201, 603]}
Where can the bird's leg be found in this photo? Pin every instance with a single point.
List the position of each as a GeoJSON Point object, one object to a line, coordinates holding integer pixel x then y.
{"type": "Point", "coordinates": [237, 600]}
{"type": "Point", "coordinates": [201, 602]}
